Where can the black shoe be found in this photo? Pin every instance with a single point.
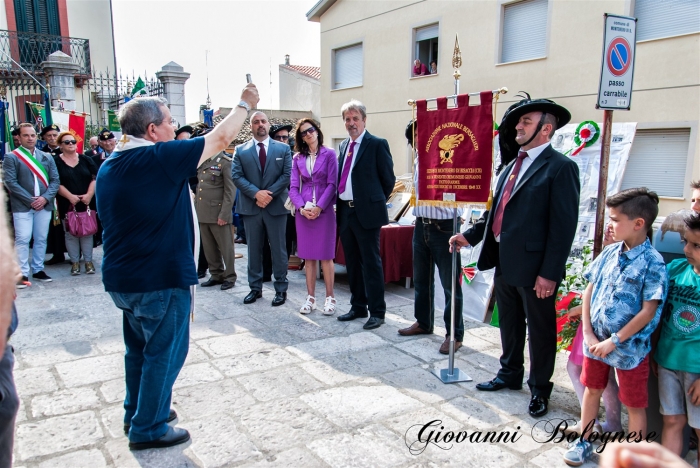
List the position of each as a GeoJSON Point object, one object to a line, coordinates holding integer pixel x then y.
{"type": "Point", "coordinates": [211, 282]}
{"type": "Point", "coordinates": [227, 285]}
{"type": "Point", "coordinates": [56, 260]}
{"type": "Point", "coordinates": [41, 276]}
{"type": "Point", "coordinates": [496, 384]}
{"type": "Point", "coordinates": [252, 297]}
{"type": "Point", "coordinates": [538, 406]}
{"type": "Point", "coordinates": [267, 279]}
{"type": "Point", "coordinates": [279, 299]}
{"type": "Point", "coordinates": [172, 416]}
{"type": "Point", "coordinates": [239, 240]}
{"type": "Point", "coordinates": [174, 436]}
{"type": "Point", "coordinates": [352, 315]}
{"type": "Point", "coordinates": [372, 323]}
{"type": "Point", "coordinates": [201, 274]}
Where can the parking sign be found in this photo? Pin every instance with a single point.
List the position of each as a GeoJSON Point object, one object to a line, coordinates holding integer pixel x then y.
{"type": "Point", "coordinates": [617, 67]}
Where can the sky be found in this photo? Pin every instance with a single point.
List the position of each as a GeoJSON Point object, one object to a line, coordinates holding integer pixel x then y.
{"type": "Point", "coordinates": [241, 36]}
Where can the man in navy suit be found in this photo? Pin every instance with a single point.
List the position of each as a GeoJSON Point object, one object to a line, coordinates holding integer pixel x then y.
{"type": "Point", "coordinates": [365, 182]}
{"type": "Point", "coordinates": [261, 169]}
{"type": "Point", "coordinates": [527, 238]}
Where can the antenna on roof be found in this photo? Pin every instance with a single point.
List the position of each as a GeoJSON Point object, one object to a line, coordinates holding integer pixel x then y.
{"type": "Point", "coordinates": [206, 64]}
{"type": "Point", "coordinates": [270, 82]}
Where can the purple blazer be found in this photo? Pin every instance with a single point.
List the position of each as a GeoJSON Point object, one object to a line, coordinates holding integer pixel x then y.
{"type": "Point", "coordinates": [325, 179]}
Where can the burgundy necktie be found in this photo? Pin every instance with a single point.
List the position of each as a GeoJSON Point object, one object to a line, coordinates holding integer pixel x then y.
{"type": "Point", "coordinates": [346, 168]}
{"type": "Point", "coordinates": [507, 190]}
{"type": "Point", "coordinates": [263, 156]}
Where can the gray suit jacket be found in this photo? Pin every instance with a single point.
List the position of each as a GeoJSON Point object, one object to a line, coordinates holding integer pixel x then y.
{"type": "Point", "coordinates": [249, 178]}
{"type": "Point", "coordinates": [19, 181]}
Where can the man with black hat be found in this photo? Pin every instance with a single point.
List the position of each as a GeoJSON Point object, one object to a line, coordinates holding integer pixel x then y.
{"type": "Point", "coordinates": [184, 132]}
{"type": "Point", "coordinates": [527, 238]}
{"type": "Point", "coordinates": [107, 142]}
{"type": "Point", "coordinates": [50, 135]}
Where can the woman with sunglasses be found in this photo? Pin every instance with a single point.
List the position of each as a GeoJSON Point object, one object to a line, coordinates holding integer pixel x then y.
{"type": "Point", "coordinates": [77, 174]}
{"type": "Point", "coordinates": [313, 190]}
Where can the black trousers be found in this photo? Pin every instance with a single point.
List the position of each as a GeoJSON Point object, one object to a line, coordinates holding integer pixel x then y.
{"type": "Point", "coordinates": [364, 264]}
{"type": "Point", "coordinates": [519, 310]}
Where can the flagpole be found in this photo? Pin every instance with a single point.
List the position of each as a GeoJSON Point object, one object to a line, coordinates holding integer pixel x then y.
{"type": "Point", "coordinates": [23, 69]}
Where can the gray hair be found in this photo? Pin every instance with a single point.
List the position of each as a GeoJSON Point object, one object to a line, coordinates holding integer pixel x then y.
{"type": "Point", "coordinates": [552, 120]}
{"type": "Point", "coordinates": [355, 105]}
{"type": "Point", "coordinates": [138, 114]}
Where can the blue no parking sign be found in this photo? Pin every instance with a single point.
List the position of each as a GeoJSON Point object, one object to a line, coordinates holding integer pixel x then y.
{"type": "Point", "coordinates": [617, 69]}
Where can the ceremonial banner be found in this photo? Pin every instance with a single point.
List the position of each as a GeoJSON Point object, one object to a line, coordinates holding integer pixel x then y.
{"type": "Point", "coordinates": [113, 124]}
{"type": "Point", "coordinates": [67, 121]}
{"type": "Point", "coordinates": [455, 149]}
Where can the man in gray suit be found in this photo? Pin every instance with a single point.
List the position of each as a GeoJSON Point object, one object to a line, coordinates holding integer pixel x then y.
{"type": "Point", "coordinates": [31, 178]}
{"type": "Point", "coordinates": [261, 169]}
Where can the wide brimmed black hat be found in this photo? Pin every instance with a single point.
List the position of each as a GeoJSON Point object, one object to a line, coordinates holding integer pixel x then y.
{"type": "Point", "coordinates": [276, 128]}
{"type": "Point", "coordinates": [409, 131]}
{"type": "Point", "coordinates": [48, 128]}
{"type": "Point", "coordinates": [184, 128]}
{"type": "Point", "coordinates": [506, 131]}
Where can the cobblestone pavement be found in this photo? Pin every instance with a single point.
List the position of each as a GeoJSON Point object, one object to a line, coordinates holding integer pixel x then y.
{"type": "Point", "coordinates": [264, 386]}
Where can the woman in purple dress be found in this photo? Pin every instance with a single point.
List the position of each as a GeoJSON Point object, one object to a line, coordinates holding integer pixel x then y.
{"type": "Point", "coordinates": [312, 191]}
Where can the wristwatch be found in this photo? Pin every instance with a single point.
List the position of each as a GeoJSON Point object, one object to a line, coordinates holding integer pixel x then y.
{"type": "Point", "coordinates": [615, 339]}
{"type": "Point", "coordinates": [244, 105]}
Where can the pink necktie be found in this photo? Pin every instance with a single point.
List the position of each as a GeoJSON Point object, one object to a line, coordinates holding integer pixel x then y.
{"type": "Point", "coordinates": [346, 168]}
{"type": "Point", "coordinates": [507, 190]}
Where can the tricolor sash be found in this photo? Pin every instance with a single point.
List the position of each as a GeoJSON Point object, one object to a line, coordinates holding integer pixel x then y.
{"type": "Point", "coordinates": [35, 166]}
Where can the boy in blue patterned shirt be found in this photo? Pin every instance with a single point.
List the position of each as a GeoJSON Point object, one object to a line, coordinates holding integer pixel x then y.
{"type": "Point", "coordinates": [621, 308]}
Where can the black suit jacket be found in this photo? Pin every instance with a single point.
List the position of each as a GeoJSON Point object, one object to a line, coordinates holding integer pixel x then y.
{"type": "Point", "coordinates": [539, 222]}
{"type": "Point", "coordinates": [372, 179]}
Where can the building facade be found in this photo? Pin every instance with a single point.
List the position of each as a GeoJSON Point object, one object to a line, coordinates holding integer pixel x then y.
{"type": "Point", "coordinates": [548, 48]}
{"type": "Point", "coordinates": [300, 88]}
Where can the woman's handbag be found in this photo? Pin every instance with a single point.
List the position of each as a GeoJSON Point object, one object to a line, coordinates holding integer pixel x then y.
{"type": "Point", "coordinates": [81, 224]}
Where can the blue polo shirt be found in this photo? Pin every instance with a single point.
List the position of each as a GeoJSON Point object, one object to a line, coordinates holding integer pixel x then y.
{"type": "Point", "coordinates": [143, 200]}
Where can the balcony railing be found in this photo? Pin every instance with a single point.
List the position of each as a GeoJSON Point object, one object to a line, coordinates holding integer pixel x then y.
{"type": "Point", "coordinates": [29, 50]}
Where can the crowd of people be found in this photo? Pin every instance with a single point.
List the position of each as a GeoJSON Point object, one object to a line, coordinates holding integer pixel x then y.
{"type": "Point", "coordinates": [638, 315]}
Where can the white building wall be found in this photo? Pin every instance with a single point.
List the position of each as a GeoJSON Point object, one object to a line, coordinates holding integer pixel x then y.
{"type": "Point", "coordinates": [299, 92]}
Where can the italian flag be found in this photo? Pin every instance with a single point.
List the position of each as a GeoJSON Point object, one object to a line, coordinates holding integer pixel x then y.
{"type": "Point", "coordinates": [73, 122]}
{"type": "Point", "coordinates": [35, 166]}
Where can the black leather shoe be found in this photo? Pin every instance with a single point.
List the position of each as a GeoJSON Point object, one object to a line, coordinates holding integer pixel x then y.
{"type": "Point", "coordinates": [172, 416]}
{"type": "Point", "coordinates": [496, 384]}
{"type": "Point", "coordinates": [372, 323]}
{"type": "Point", "coordinates": [279, 299]}
{"type": "Point", "coordinates": [227, 285]}
{"type": "Point", "coordinates": [174, 436]}
{"type": "Point", "coordinates": [211, 282]}
{"type": "Point", "coordinates": [352, 315]}
{"type": "Point", "coordinates": [538, 406]}
{"type": "Point", "coordinates": [56, 260]}
{"type": "Point", "coordinates": [252, 297]}
{"type": "Point", "coordinates": [201, 274]}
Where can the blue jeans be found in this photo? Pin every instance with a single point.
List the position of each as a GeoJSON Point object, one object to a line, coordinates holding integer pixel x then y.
{"type": "Point", "coordinates": [31, 223]}
{"type": "Point", "coordinates": [430, 249]}
{"type": "Point", "coordinates": [156, 335]}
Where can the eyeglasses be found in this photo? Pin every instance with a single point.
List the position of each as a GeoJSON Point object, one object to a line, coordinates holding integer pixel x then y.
{"type": "Point", "coordinates": [281, 137]}
{"type": "Point", "coordinates": [173, 122]}
{"type": "Point", "coordinates": [308, 131]}
{"type": "Point", "coordinates": [69, 142]}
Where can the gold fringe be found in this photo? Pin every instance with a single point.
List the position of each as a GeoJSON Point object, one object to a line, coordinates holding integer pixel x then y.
{"type": "Point", "coordinates": [447, 204]}
{"type": "Point", "coordinates": [489, 203]}
{"type": "Point", "coordinates": [412, 201]}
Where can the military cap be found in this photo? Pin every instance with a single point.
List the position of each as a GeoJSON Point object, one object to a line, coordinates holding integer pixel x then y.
{"type": "Point", "coordinates": [15, 132]}
{"type": "Point", "coordinates": [105, 135]}
{"type": "Point", "coordinates": [48, 128]}
{"type": "Point", "coordinates": [276, 128]}
{"type": "Point", "coordinates": [183, 129]}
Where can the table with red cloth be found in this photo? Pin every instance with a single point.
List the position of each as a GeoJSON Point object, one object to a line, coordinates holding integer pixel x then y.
{"type": "Point", "coordinates": [396, 250]}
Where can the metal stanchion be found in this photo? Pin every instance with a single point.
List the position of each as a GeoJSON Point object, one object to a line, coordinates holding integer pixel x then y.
{"type": "Point", "coordinates": [452, 375]}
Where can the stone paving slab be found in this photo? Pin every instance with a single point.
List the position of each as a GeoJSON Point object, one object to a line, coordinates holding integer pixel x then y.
{"type": "Point", "coordinates": [264, 386]}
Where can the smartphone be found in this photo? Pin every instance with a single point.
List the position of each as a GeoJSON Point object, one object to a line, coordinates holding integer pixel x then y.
{"type": "Point", "coordinates": [248, 78]}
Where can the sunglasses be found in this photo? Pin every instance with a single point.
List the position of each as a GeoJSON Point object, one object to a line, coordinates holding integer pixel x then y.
{"type": "Point", "coordinates": [308, 131]}
{"type": "Point", "coordinates": [282, 138]}
{"type": "Point", "coordinates": [69, 142]}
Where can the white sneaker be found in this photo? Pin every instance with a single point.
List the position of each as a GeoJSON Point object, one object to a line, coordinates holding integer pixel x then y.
{"type": "Point", "coordinates": [309, 305]}
{"type": "Point", "coordinates": [329, 306]}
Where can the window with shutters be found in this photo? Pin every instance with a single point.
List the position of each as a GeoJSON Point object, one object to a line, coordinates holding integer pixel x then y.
{"type": "Point", "coordinates": [658, 160]}
{"type": "Point", "coordinates": [425, 48]}
{"type": "Point", "coordinates": [347, 67]}
{"type": "Point", "coordinates": [37, 16]}
{"type": "Point", "coordinates": [524, 31]}
{"type": "Point", "coordinates": [657, 19]}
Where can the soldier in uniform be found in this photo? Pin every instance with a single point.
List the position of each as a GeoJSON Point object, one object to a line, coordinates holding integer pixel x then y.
{"type": "Point", "coordinates": [50, 135]}
{"type": "Point", "coordinates": [214, 203]}
{"type": "Point", "coordinates": [107, 142]}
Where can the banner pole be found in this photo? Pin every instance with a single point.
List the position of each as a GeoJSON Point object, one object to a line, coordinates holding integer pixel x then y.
{"type": "Point", "coordinates": [602, 182]}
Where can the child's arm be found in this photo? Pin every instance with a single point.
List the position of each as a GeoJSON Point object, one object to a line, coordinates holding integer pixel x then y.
{"type": "Point", "coordinates": [588, 335]}
{"type": "Point", "coordinates": [694, 393]}
{"type": "Point", "coordinates": [639, 321]}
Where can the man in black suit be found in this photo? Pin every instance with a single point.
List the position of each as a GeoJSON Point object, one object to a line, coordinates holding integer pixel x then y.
{"type": "Point", "coordinates": [527, 238]}
{"type": "Point", "coordinates": [365, 182]}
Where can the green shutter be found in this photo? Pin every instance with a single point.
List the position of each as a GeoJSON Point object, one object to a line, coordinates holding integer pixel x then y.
{"type": "Point", "coordinates": [21, 15]}
{"type": "Point", "coordinates": [54, 24]}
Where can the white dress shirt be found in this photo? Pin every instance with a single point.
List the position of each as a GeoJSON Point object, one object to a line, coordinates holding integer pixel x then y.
{"type": "Point", "coordinates": [347, 194]}
{"type": "Point", "coordinates": [266, 143]}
